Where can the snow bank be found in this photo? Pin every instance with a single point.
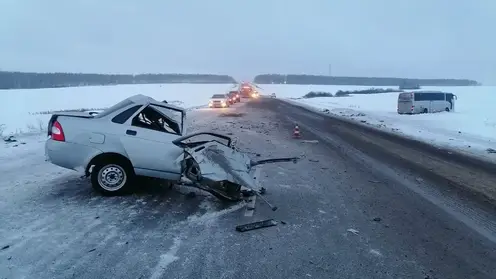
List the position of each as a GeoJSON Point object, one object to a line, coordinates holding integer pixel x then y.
{"type": "Point", "coordinates": [28, 110]}
{"type": "Point", "coordinates": [471, 128]}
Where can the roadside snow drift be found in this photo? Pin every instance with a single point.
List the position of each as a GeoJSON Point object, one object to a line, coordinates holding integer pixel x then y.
{"type": "Point", "coordinates": [470, 128]}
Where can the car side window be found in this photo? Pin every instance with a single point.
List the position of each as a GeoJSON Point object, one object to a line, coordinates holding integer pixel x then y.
{"type": "Point", "coordinates": [122, 117]}
{"type": "Point", "coordinates": [149, 118]}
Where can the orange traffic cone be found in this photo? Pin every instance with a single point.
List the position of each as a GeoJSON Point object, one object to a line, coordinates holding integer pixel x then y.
{"type": "Point", "coordinates": [296, 132]}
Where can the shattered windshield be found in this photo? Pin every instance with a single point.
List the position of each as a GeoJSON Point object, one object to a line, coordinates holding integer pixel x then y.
{"type": "Point", "coordinates": [174, 115]}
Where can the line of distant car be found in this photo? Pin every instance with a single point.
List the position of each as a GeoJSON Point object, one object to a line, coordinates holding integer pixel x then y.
{"type": "Point", "coordinates": [232, 97]}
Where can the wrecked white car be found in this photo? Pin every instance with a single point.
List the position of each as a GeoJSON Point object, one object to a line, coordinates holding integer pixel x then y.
{"type": "Point", "coordinates": [140, 136]}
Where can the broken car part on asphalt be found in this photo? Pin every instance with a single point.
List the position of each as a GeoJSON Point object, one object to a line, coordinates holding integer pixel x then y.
{"type": "Point", "coordinates": [256, 225]}
{"type": "Point", "coordinates": [215, 166]}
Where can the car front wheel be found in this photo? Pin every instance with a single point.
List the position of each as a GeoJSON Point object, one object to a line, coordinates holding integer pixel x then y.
{"type": "Point", "coordinates": [112, 178]}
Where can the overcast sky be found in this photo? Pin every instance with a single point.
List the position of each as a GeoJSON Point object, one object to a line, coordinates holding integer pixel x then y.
{"type": "Point", "coordinates": [403, 38]}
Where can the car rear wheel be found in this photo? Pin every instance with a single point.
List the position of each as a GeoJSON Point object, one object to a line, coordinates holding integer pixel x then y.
{"type": "Point", "coordinates": [112, 178]}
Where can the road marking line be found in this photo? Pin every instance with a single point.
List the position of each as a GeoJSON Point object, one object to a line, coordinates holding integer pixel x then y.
{"type": "Point", "coordinates": [251, 204]}
{"type": "Point", "coordinates": [250, 207]}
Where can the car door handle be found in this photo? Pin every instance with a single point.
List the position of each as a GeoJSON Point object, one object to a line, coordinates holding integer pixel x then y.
{"type": "Point", "coordinates": [131, 132]}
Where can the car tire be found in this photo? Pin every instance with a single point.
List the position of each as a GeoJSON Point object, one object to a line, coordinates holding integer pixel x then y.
{"type": "Point", "coordinates": [112, 177]}
{"type": "Point", "coordinates": [425, 111]}
{"type": "Point", "coordinates": [447, 109]}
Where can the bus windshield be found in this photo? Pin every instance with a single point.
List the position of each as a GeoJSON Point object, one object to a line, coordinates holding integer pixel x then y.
{"type": "Point", "coordinates": [405, 97]}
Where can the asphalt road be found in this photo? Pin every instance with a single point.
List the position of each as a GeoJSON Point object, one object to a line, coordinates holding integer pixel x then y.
{"type": "Point", "coordinates": [348, 209]}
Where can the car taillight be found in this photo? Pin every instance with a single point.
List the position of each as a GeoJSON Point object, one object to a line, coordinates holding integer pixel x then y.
{"type": "Point", "coordinates": [57, 132]}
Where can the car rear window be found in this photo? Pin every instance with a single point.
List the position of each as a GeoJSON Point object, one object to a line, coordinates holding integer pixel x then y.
{"type": "Point", "coordinates": [219, 96]}
{"type": "Point", "coordinates": [114, 108]}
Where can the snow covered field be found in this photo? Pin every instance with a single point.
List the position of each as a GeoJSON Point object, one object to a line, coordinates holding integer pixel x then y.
{"type": "Point", "coordinates": [28, 110]}
{"type": "Point", "coordinates": [471, 128]}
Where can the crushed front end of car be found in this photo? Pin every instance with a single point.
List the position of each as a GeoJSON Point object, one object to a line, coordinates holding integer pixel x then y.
{"type": "Point", "coordinates": [217, 167]}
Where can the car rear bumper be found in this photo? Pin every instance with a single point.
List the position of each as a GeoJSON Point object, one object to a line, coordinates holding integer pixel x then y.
{"type": "Point", "coordinates": [69, 155]}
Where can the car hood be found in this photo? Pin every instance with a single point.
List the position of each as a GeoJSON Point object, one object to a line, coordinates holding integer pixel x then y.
{"type": "Point", "coordinates": [219, 168]}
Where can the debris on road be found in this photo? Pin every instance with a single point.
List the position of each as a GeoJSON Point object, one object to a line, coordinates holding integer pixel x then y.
{"type": "Point", "coordinates": [256, 225]}
{"type": "Point", "coordinates": [5, 247]}
{"type": "Point", "coordinates": [491, 151]}
{"type": "Point", "coordinates": [231, 114]}
{"type": "Point", "coordinates": [273, 208]}
{"type": "Point", "coordinates": [247, 192]}
{"type": "Point", "coordinates": [262, 191]}
{"type": "Point", "coordinates": [353, 231]}
{"type": "Point", "coordinates": [377, 219]}
{"type": "Point", "coordinates": [275, 160]}
{"type": "Point", "coordinates": [10, 139]}
{"type": "Point", "coordinates": [374, 181]}
{"type": "Point", "coordinates": [310, 141]}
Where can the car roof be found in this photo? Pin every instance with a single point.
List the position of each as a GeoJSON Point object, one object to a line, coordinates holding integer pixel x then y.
{"type": "Point", "coordinates": [146, 100]}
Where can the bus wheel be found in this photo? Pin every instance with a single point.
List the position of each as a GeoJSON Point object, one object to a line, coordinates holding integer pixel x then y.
{"type": "Point", "coordinates": [425, 111]}
{"type": "Point", "coordinates": [446, 109]}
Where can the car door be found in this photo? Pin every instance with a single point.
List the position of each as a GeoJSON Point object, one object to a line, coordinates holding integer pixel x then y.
{"type": "Point", "coordinates": [149, 147]}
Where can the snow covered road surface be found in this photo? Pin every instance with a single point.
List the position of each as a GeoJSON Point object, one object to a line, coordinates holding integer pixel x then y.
{"type": "Point", "coordinates": [471, 128]}
{"type": "Point", "coordinates": [346, 215]}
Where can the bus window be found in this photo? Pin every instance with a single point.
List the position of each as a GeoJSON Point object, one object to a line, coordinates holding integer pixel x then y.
{"type": "Point", "coordinates": [429, 96]}
{"type": "Point", "coordinates": [419, 96]}
{"type": "Point", "coordinates": [437, 96]}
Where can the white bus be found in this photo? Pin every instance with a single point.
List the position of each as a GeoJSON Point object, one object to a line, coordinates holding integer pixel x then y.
{"type": "Point", "coordinates": [425, 102]}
